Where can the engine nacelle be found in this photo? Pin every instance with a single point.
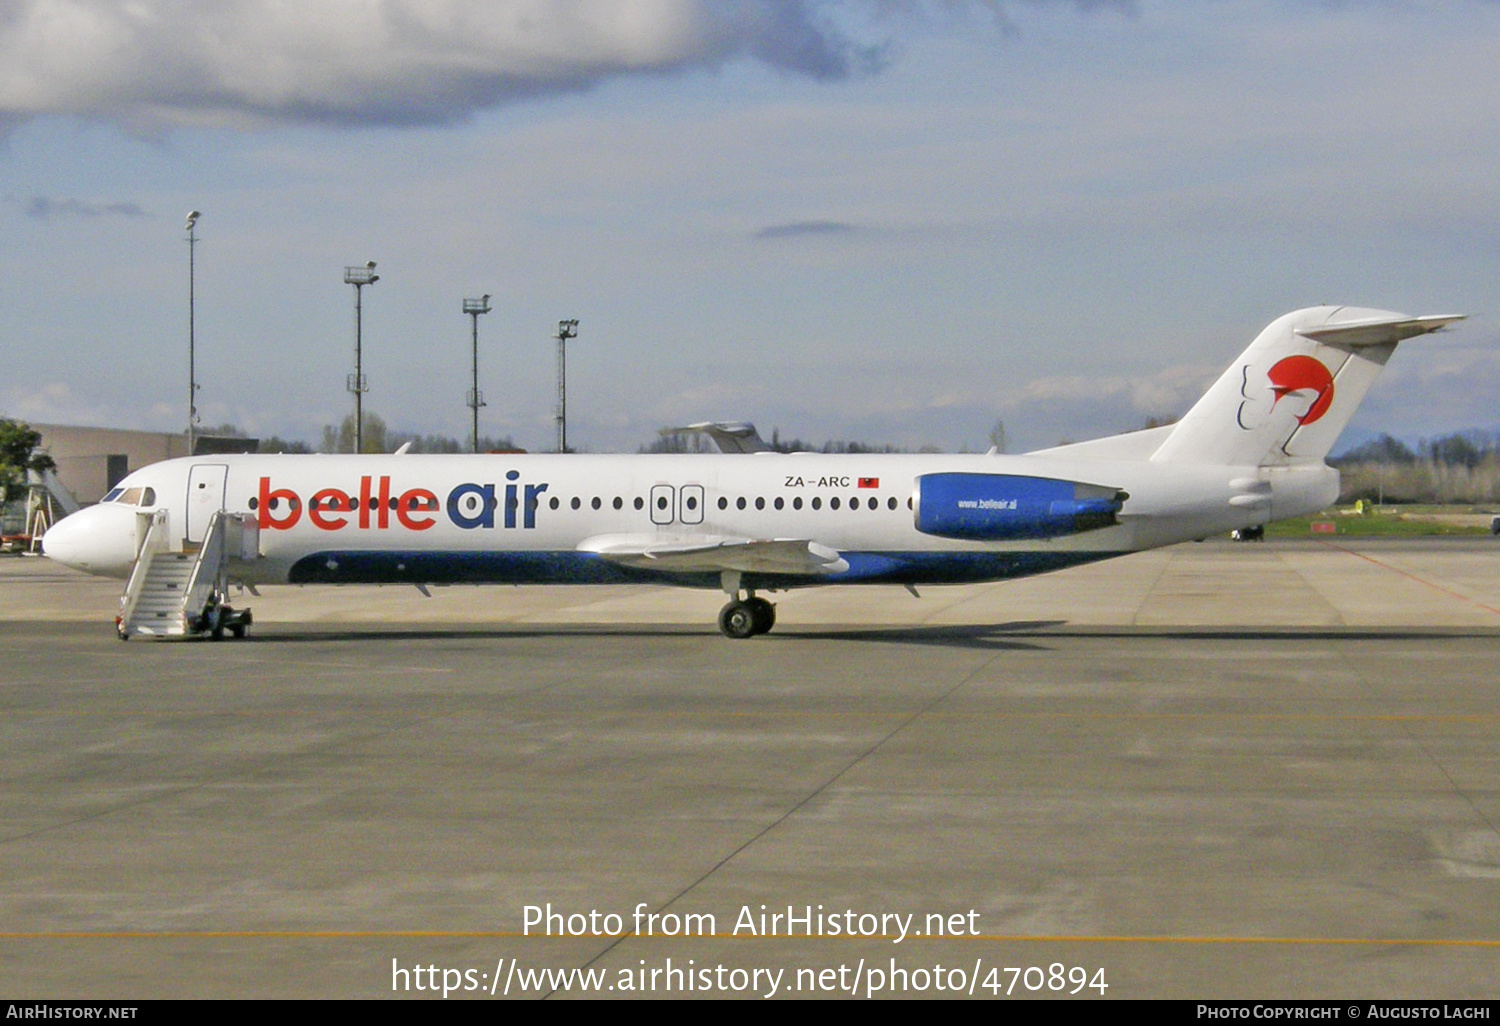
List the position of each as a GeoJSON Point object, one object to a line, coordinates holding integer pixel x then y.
{"type": "Point", "coordinates": [1007, 507]}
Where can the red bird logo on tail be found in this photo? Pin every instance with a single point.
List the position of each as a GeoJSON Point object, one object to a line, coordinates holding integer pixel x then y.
{"type": "Point", "coordinates": [1302, 374]}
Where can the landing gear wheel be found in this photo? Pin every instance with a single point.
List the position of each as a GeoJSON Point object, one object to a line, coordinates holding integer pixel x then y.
{"type": "Point", "coordinates": [764, 614]}
{"type": "Point", "coordinates": [738, 620]}
{"type": "Point", "coordinates": [747, 618]}
{"type": "Point", "coordinates": [235, 621]}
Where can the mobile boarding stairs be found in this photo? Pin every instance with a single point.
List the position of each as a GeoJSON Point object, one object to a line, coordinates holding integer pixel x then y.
{"type": "Point", "coordinates": [178, 588]}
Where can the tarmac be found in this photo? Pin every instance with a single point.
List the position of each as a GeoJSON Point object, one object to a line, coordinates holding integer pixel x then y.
{"type": "Point", "coordinates": [1250, 771]}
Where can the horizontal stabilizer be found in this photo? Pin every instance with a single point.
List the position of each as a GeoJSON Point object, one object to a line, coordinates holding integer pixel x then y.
{"type": "Point", "coordinates": [713, 553]}
{"type": "Point", "coordinates": [1377, 331]}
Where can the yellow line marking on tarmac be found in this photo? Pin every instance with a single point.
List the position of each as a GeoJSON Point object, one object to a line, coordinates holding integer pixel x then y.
{"type": "Point", "coordinates": [1413, 577]}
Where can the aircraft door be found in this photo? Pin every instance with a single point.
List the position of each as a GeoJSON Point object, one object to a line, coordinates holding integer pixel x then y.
{"type": "Point", "coordinates": [206, 486]}
{"type": "Point", "coordinates": [690, 510]}
{"type": "Point", "coordinates": [661, 504]}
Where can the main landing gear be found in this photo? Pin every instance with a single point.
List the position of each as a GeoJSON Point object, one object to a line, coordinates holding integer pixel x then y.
{"type": "Point", "coordinates": [744, 617]}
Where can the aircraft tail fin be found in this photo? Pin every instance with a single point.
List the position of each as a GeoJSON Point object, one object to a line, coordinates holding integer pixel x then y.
{"type": "Point", "coordinates": [1289, 396]}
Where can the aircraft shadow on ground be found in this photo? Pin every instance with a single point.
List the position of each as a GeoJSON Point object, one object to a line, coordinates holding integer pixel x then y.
{"type": "Point", "coordinates": [986, 636]}
{"type": "Point", "coordinates": [1019, 634]}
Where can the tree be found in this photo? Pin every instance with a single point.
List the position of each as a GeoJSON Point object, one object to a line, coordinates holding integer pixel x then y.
{"type": "Point", "coordinates": [997, 436]}
{"type": "Point", "coordinates": [18, 445]}
{"type": "Point", "coordinates": [1459, 449]}
{"type": "Point", "coordinates": [446, 443]}
{"type": "Point", "coordinates": [341, 438]}
{"type": "Point", "coordinates": [1384, 449]}
{"type": "Point", "coordinates": [278, 444]}
{"type": "Point", "coordinates": [667, 441]}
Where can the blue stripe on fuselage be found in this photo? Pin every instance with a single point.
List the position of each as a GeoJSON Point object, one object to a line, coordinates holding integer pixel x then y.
{"type": "Point", "coordinates": [377, 567]}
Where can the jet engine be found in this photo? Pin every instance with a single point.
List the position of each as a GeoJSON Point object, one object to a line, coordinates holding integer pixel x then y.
{"type": "Point", "coordinates": [1008, 507]}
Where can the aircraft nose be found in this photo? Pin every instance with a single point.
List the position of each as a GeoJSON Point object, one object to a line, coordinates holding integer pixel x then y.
{"type": "Point", "coordinates": [97, 540]}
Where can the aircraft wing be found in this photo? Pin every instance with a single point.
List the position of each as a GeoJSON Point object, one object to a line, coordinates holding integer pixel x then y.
{"type": "Point", "coordinates": [713, 553]}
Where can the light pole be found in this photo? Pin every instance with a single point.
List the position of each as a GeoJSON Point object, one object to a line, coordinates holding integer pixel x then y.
{"type": "Point", "coordinates": [475, 307]}
{"type": "Point", "coordinates": [565, 331]}
{"type": "Point", "coordinates": [359, 277]}
{"type": "Point", "coordinates": [192, 240]}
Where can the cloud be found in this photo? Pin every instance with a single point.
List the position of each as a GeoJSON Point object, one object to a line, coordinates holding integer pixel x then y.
{"type": "Point", "coordinates": [157, 64]}
{"type": "Point", "coordinates": [45, 208]}
{"type": "Point", "coordinates": [53, 403]}
{"type": "Point", "coordinates": [795, 229]}
{"type": "Point", "coordinates": [154, 63]}
{"type": "Point", "coordinates": [1052, 409]}
{"type": "Point", "coordinates": [1457, 374]}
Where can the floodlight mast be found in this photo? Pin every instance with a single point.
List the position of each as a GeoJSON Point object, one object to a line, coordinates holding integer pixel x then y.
{"type": "Point", "coordinates": [565, 331]}
{"type": "Point", "coordinates": [192, 240]}
{"type": "Point", "coordinates": [359, 277]}
{"type": "Point", "coordinates": [475, 307]}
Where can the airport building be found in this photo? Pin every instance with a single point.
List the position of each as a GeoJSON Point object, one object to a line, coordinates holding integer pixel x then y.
{"type": "Point", "coordinates": [91, 460]}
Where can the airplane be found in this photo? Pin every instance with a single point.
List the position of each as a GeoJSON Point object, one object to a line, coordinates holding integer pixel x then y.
{"type": "Point", "coordinates": [1250, 451]}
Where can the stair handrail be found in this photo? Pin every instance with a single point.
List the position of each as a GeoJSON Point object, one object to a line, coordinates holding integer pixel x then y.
{"type": "Point", "coordinates": [210, 555]}
{"type": "Point", "coordinates": [150, 546]}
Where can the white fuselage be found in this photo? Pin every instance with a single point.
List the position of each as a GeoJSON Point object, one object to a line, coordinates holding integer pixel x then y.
{"type": "Point", "coordinates": [547, 518]}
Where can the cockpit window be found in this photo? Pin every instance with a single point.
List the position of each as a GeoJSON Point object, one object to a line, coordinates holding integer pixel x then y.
{"type": "Point", "coordinates": [132, 496]}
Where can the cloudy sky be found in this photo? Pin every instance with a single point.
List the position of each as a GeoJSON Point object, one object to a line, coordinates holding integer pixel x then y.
{"type": "Point", "coordinates": [894, 220]}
